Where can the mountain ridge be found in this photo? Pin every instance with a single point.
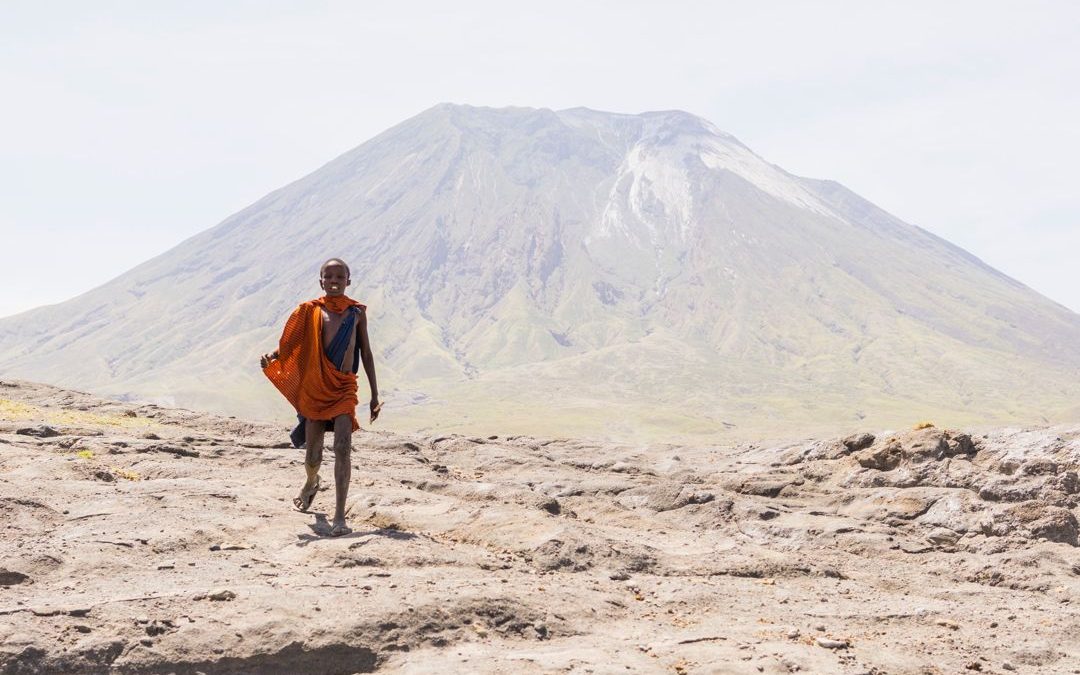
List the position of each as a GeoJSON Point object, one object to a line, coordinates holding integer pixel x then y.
{"type": "Point", "coordinates": [492, 241]}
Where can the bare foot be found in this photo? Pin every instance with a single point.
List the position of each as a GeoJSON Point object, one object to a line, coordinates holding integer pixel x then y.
{"type": "Point", "coordinates": [339, 528]}
{"type": "Point", "coordinates": [307, 495]}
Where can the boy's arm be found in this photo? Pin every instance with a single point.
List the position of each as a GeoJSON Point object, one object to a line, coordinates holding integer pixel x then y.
{"type": "Point", "coordinates": [368, 360]}
{"type": "Point", "coordinates": [265, 359]}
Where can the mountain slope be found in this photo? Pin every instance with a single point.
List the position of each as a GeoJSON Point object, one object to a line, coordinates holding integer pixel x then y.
{"type": "Point", "coordinates": [582, 272]}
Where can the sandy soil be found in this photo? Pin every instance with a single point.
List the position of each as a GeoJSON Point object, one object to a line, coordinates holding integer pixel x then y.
{"type": "Point", "coordinates": [139, 539]}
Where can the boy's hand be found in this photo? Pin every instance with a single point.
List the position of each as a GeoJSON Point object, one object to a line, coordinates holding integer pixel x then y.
{"type": "Point", "coordinates": [265, 360]}
{"type": "Point", "coordinates": [376, 407]}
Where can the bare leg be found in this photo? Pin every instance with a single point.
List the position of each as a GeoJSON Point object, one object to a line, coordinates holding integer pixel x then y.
{"type": "Point", "coordinates": [313, 441]}
{"type": "Point", "coordinates": [342, 470]}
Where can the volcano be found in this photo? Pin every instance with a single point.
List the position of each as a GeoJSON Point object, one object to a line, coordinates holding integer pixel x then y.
{"type": "Point", "coordinates": [578, 273]}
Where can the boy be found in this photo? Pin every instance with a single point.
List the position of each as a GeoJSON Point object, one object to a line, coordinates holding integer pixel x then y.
{"type": "Point", "coordinates": [315, 368]}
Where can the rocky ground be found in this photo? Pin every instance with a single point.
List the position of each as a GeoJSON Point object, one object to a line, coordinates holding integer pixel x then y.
{"type": "Point", "coordinates": [139, 539]}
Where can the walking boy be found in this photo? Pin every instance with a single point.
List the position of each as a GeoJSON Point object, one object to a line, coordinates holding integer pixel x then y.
{"type": "Point", "coordinates": [315, 368]}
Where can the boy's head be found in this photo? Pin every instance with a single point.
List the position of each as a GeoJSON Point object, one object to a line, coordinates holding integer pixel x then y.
{"type": "Point", "coordinates": [334, 276]}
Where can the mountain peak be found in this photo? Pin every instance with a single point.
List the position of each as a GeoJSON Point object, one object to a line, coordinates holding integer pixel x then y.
{"type": "Point", "coordinates": [656, 122]}
{"type": "Point", "coordinates": [644, 124]}
{"type": "Point", "coordinates": [629, 274]}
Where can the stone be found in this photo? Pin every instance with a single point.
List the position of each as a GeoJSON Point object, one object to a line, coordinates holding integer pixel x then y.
{"type": "Point", "coordinates": [221, 596]}
{"type": "Point", "coordinates": [829, 643]}
{"type": "Point", "coordinates": [856, 442]}
{"type": "Point", "coordinates": [40, 431]}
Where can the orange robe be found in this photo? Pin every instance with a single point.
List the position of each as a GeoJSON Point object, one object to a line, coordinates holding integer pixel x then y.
{"type": "Point", "coordinates": [303, 373]}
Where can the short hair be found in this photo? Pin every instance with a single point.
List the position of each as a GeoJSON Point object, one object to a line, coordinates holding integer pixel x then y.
{"type": "Point", "coordinates": [335, 261]}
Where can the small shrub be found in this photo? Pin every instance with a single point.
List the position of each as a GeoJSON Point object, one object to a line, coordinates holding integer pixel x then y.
{"type": "Point", "coordinates": [124, 473]}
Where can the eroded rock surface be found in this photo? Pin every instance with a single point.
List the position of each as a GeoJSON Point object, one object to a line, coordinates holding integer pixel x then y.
{"type": "Point", "coordinates": [139, 539]}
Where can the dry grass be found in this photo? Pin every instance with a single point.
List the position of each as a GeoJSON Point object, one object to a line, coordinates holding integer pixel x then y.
{"type": "Point", "coordinates": [15, 410]}
{"type": "Point", "coordinates": [83, 418]}
{"type": "Point", "coordinates": [124, 473]}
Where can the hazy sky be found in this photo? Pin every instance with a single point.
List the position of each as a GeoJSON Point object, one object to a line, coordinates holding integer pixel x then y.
{"type": "Point", "coordinates": [127, 127]}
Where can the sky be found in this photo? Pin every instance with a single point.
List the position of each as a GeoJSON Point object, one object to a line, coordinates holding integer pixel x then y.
{"type": "Point", "coordinates": [128, 127]}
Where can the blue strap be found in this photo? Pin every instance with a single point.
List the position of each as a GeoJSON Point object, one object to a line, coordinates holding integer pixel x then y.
{"type": "Point", "coordinates": [335, 351]}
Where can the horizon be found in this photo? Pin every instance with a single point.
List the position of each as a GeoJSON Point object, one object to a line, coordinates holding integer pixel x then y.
{"type": "Point", "coordinates": [472, 106]}
{"type": "Point", "coordinates": [224, 105]}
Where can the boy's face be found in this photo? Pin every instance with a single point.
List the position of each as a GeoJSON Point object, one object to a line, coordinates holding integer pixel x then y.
{"type": "Point", "coordinates": [334, 279]}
